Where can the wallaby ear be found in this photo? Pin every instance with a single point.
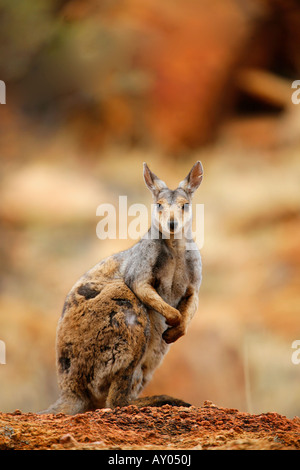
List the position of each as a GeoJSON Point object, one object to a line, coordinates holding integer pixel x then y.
{"type": "Point", "coordinates": [152, 181]}
{"type": "Point", "coordinates": [193, 179]}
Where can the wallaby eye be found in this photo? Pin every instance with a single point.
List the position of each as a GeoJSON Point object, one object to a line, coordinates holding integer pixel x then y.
{"type": "Point", "coordinates": [185, 206]}
{"type": "Point", "coordinates": [159, 206]}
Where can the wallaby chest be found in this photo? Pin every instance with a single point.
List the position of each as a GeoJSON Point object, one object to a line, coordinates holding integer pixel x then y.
{"type": "Point", "coordinates": [171, 275]}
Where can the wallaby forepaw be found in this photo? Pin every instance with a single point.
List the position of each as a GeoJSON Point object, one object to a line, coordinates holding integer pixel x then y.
{"type": "Point", "coordinates": [172, 334]}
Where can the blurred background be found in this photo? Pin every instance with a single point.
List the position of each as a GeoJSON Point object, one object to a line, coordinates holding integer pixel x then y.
{"type": "Point", "coordinates": [93, 89]}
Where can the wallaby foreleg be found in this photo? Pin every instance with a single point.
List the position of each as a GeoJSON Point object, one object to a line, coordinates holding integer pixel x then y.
{"type": "Point", "coordinates": [148, 295]}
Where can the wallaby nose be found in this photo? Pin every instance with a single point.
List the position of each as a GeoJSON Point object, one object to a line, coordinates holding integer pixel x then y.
{"type": "Point", "coordinates": [172, 225]}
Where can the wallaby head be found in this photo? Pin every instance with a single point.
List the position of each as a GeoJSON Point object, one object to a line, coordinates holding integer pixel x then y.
{"type": "Point", "coordinates": [172, 208]}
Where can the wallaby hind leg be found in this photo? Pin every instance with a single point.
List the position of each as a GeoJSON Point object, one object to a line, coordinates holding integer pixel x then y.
{"type": "Point", "coordinates": [120, 390]}
{"type": "Point", "coordinates": [119, 395]}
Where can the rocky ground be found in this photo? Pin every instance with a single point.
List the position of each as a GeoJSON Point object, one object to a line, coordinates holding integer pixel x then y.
{"type": "Point", "coordinates": [168, 428]}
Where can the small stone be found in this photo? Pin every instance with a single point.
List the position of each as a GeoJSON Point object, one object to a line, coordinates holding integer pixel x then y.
{"type": "Point", "coordinates": [209, 404]}
{"type": "Point", "coordinates": [105, 410]}
{"type": "Point", "coordinates": [68, 440]}
{"type": "Point", "coordinates": [197, 447]}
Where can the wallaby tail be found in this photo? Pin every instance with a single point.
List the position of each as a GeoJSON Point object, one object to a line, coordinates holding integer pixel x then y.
{"type": "Point", "coordinates": [159, 400]}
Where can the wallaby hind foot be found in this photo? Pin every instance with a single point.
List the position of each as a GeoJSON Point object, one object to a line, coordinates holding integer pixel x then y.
{"type": "Point", "coordinates": [69, 405]}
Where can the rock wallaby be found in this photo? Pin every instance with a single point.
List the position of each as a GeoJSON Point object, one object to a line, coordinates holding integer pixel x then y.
{"type": "Point", "coordinates": [120, 317]}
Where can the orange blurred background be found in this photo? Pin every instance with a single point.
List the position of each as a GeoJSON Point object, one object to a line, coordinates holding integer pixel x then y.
{"type": "Point", "coordinates": [95, 88]}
